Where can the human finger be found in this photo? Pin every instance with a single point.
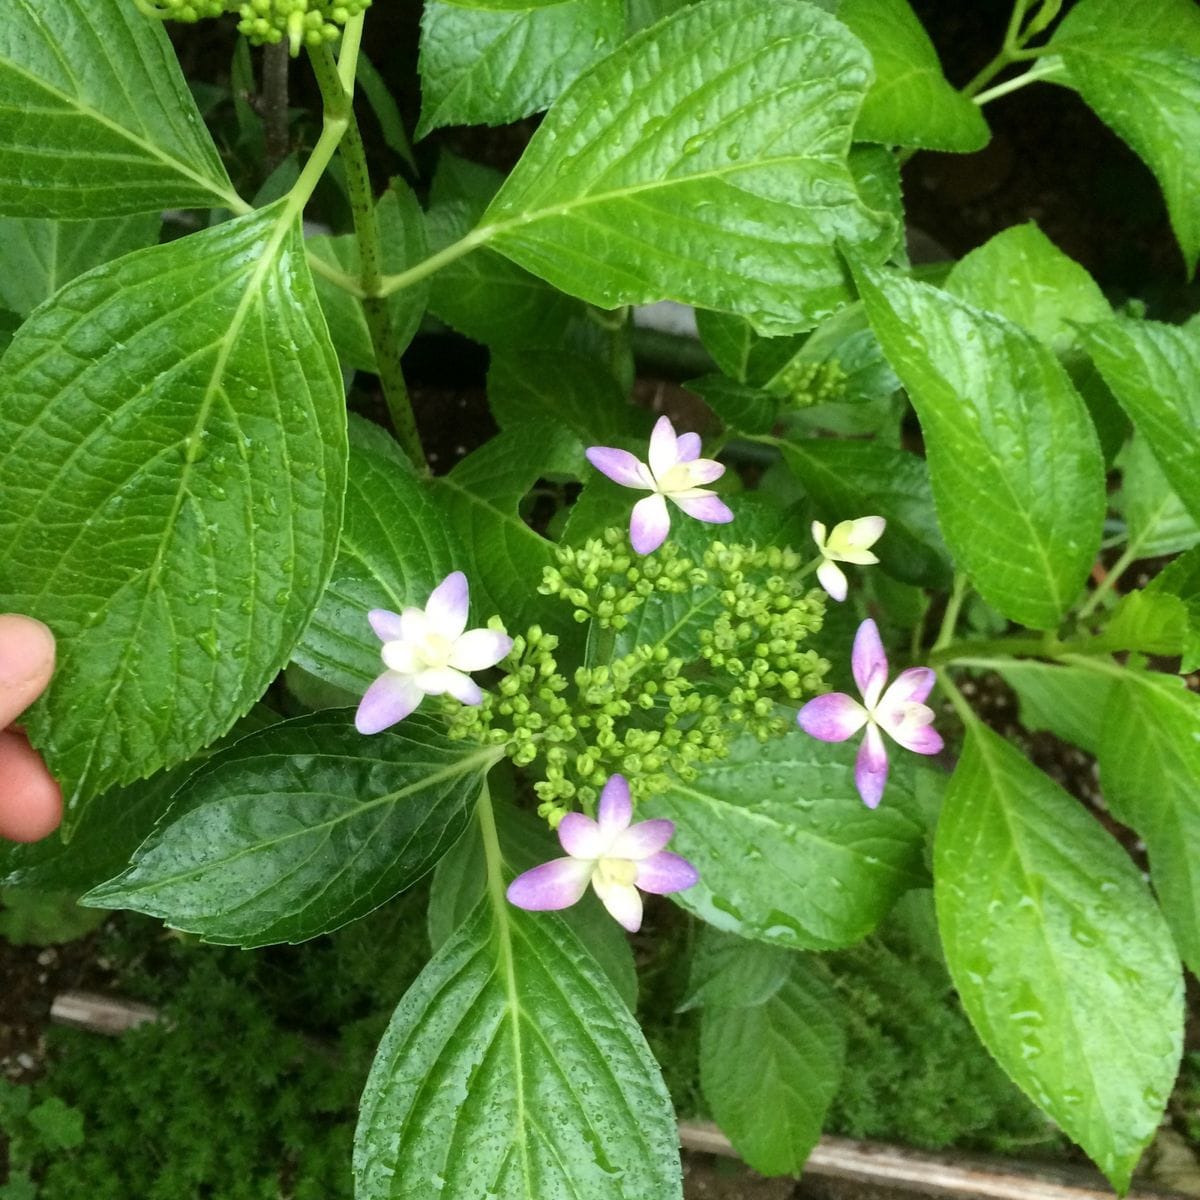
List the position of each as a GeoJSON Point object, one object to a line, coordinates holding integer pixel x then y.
{"type": "Point", "coordinates": [26, 664]}
{"type": "Point", "coordinates": [30, 800]}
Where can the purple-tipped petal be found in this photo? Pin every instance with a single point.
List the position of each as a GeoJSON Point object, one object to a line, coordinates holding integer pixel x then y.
{"type": "Point", "coordinates": [664, 447]}
{"type": "Point", "coordinates": [918, 736]}
{"type": "Point", "coordinates": [642, 840]}
{"type": "Point", "coordinates": [620, 466]}
{"type": "Point", "coordinates": [869, 662]}
{"type": "Point", "coordinates": [832, 578]}
{"type": "Point", "coordinates": [447, 606]}
{"type": "Point", "coordinates": [665, 872]}
{"type": "Point", "coordinates": [687, 446]}
{"type": "Point", "coordinates": [581, 837]}
{"type": "Point", "coordinates": [704, 506]}
{"type": "Point", "coordinates": [832, 718]}
{"type": "Point", "coordinates": [704, 470]}
{"type": "Point", "coordinates": [387, 625]}
{"type": "Point", "coordinates": [388, 700]}
{"type": "Point", "coordinates": [554, 885]}
{"type": "Point", "coordinates": [616, 808]}
{"type": "Point", "coordinates": [871, 768]}
{"type": "Point", "coordinates": [649, 524]}
{"type": "Point", "coordinates": [624, 904]}
{"type": "Point", "coordinates": [438, 681]}
{"type": "Point", "coordinates": [909, 687]}
{"type": "Point", "coordinates": [479, 649]}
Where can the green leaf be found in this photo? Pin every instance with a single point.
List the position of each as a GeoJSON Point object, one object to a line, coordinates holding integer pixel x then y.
{"type": "Point", "coordinates": [110, 828]}
{"type": "Point", "coordinates": [1149, 756]}
{"type": "Point", "coordinates": [848, 479]}
{"type": "Point", "coordinates": [876, 171]}
{"type": "Point", "coordinates": [1156, 521]}
{"type": "Point", "coordinates": [1065, 701]}
{"type": "Point", "coordinates": [59, 1126]}
{"type": "Point", "coordinates": [1138, 67]}
{"type": "Point", "coordinates": [740, 406]}
{"type": "Point", "coordinates": [402, 237]}
{"type": "Point", "coordinates": [1182, 579]}
{"type": "Point", "coordinates": [785, 849]}
{"type": "Point", "coordinates": [302, 828]}
{"type": "Point", "coordinates": [1059, 953]}
{"type": "Point", "coordinates": [386, 110]}
{"type": "Point", "coordinates": [731, 972]}
{"type": "Point", "coordinates": [743, 354]}
{"type": "Point", "coordinates": [1022, 275]}
{"type": "Point", "coordinates": [490, 67]}
{"type": "Point", "coordinates": [96, 119]}
{"type": "Point", "coordinates": [1153, 369]}
{"type": "Point", "coordinates": [769, 1072]}
{"type": "Point", "coordinates": [737, 188]}
{"type": "Point", "coordinates": [1016, 469]}
{"type": "Point", "coordinates": [171, 481]}
{"type": "Point", "coordinates": [394, 550]}
{"type": "Point", "coordinates": [503, 556]}
{"type": "Point", "coordinates": [460, 880]}
{"type": "Point", "coordinates": [530, 390]}
{"type": "Point", "coordinates": [1149, 622]}
{"type": "Point", "coordinates": [910, 103]}
{"type": "Point", "coordinates": [482, 294]}
{"type": "Point", "coordinates": [513, 1068]}
{"type": "Point", "coordinates": [38, 257]}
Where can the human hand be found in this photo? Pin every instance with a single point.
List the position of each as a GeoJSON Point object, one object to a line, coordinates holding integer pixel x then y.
{"type": "Point", "coordinates": [30, 800]}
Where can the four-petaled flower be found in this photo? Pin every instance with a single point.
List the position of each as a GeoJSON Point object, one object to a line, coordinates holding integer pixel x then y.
{"type": "Point", "coordinates": [899, 710]}
{"type": "Point", "coordinates": [849, 542]}
{"type": "Point", "coordinates": [616, 858]}
{"type": "Point", "coordinates": [674, 473]}
{"type": "Point", "coordinates": [426, 653]}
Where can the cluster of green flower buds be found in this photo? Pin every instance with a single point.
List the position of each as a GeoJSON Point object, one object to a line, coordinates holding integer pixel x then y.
{"type": "Point", "coordinates": [302, 22]}
{"type": "Point", "coordinates": [307, 22]}
{"type": "Point", "coordinates": [656, 698]}
{"type": "Point", "coordinates": [803, 384]}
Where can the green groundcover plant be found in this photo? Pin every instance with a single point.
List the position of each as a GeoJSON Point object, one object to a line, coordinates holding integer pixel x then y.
{"type": "Point", "coordinates": [591, 617]}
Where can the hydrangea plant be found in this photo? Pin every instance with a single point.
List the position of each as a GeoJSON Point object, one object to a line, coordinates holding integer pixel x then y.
{"type": "Point", "coordinates": [300, 670]}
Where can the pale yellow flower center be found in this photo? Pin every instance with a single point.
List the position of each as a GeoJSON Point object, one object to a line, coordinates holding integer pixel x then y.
{"type": "Point", "coordinates": [619, 872]}
{"type": "Point", "coordinates": [434, 651]}
{"type": "Point", "coordinates": [677, 479]}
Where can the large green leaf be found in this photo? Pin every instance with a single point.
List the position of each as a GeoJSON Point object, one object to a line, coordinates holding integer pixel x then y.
{"type": "Point", "coordinates": [38, 257]}
{"type": "Point", "coordinates": [732, 972]}
{"type": "Point", "coordinates": [1150, 770]}
{"type": "Point", "coordinates": [910, 103]}
{"type": "Point", "coordinates": [704, 161]}
{"type": "Point", "coordinates": [481, 67]}
{"type": "Point", "coordinates": [1066, 701]}
{"type": "Point", "coordinates": [483, 295]}
{"type": "Point", "coordinates": [1138, 67]}
{"type": "Point", "coordinates": [769, 1071]}
{"type": "Point", "coordinates": [1059, 953]}
{"type": "Point", "coordinates": [785, 849]}
{"type": "Point", "coordinates": [402, 240]}
{"type": "Point", "coordinates": [1182, 579]}
{"type": "Point", "coordinates": [1016, 469]}
{"type": "Point", "coordinates": [460, 880]}
{"type": "Point", "coordinates": [394, 550]}
{"type": "Point", "coordinates": [96, 119]}
{"type": "Point", "coordinates": [504, 557]}
{"type": "Point", "coordinates": [1156, 521]}
{"type": "Point", "coordinates": [1022, 275]}
{"type": "Point", "coordinates": [172, 463]}
{"type": "Point", "coordinates": [513, 1069]}
{"type": "Point", "coordinates": [849, 479]}
{"type": "Point", "coordinates": [301, 828]}
{"type": "Point", "coordinates": [1154, 369]}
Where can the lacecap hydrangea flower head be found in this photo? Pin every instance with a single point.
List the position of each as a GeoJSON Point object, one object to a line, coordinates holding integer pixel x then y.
{"type": "Point", "coordinates": [428, 652]}
{"type": "Point", "coordinates": [675, 471]}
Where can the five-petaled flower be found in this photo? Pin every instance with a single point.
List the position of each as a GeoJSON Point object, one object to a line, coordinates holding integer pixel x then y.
{"type": "Point", "coordinates": [675, 472]}
{"type": "Point", "coordinates": [427, 653]}
{"type": "Point", "coordinates": [849, 542]}
{"type": "Point", "coordinates": [899, 710]}
{"type": "Point", "coordinates": [615, 857]}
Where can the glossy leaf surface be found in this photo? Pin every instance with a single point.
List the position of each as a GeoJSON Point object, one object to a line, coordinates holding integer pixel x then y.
{"type": "Point", "coordinates": [301, 828]}
{"type": "Point", "coordinates": [171, 475]}
{"type": "Point", "coordinates": [1059, 953]}
{"type": "Point", "coordinates": [737, 186]}
{"type": "Point", "coordinates": [95, 117]}
{"type": "Point", "coordinates": [1016, 469]}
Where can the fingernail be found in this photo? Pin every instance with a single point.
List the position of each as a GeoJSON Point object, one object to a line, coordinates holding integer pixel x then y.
{"type": "Point", "coordinates": [26, 648]}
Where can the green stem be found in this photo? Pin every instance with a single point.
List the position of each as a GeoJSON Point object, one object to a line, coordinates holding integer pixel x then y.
{"type": "Point", "coordinates": [338, 97]}
{"type": "Point", "coordinates": [950, 689]}
{"type": "Point", "coordinates": [1012, 50]}
{"type": "Point", "coordinates": [950, 616]}
{"type": "Point", "coordinates": [348, 283]}
{"type": "Point", "coordinates": [1110, 580]}
{"type": "Point", "coordinates": [435, 262]}
{"type": "Point", "coordinates": [1044, 69]}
